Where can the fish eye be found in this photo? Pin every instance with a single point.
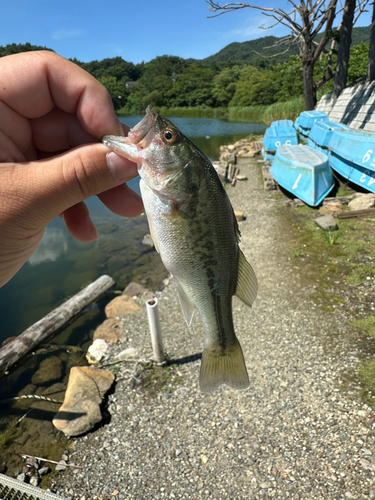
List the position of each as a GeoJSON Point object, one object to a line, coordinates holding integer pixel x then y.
{"type": "Point", "coordinates": [169, 136]}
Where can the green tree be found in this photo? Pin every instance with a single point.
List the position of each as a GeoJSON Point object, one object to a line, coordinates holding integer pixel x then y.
{"type": "Point", "coordinates": [116, 66]}
{"type": "Point", "coordinates": [358, 61]}
{"type": "Point", "coordinates": [193, 87]}
{"type": "Point", "coordinates": [225, 85]}
{"type": "Point", "coordinates": [256, 87]}
{"type": "Point", "coordinates": [291, 79]}
{"type": "Point", "coordinates": [117, 90]}
{"type": "Point", "coordinates": [156, 83]}
{"type": "Point", "coordinates": [15, 48]}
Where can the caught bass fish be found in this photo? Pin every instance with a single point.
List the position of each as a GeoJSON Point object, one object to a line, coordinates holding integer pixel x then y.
{"type": "Point", "coordinates": [194, 229]}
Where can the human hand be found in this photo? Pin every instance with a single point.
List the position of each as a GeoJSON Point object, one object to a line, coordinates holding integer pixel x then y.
{"type": "Point", "coordinates": [52, 117]}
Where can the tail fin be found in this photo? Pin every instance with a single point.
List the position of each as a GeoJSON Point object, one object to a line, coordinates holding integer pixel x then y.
{"type": "Point", "coordinates": [223, 366]}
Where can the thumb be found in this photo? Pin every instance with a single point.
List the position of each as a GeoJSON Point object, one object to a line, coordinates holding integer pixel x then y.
{"type": "Point", "coordinates": [46, 188]}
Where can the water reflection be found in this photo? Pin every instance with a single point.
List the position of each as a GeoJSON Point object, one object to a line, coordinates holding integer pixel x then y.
{"type": "Point", "coordinates": [54, 243]}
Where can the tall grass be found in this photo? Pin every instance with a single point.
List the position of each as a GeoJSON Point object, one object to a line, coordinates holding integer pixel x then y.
{"type": "Point", "coordinates": [288, 110]}
{"type": "Point", "coordinates": [252, 114]}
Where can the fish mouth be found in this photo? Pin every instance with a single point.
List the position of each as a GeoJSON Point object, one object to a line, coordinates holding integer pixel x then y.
{"type": "Point", "coordinates": [141, 133]}
{"type": "Point", "coordinates": [139, 137]}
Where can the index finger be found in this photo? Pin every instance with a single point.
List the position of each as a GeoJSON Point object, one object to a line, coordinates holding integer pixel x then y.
{"type": "Point", "coordinates": [33, 83]}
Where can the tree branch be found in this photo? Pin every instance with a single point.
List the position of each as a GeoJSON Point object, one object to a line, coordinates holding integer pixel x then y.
{"type": "Point", "coordinates": [274, 55]}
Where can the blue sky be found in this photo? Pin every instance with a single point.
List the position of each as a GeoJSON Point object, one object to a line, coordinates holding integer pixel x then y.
{"type": "Point", "coordinates": [137, 30]}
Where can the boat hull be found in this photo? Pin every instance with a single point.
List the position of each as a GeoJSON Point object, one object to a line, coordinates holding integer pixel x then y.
{"type": "Point", "coordinates": [321, 133]}
{"type": "Point", "coordinates": [306, 120]}
{"type": "Point", "coordinates": [357, 174]}
{"type": "Point", "coordinates": [304, 172]}
{"type": "Point", "coordinates": [279, 133]}
{"type": "Point", "coordinates": [352, 155]}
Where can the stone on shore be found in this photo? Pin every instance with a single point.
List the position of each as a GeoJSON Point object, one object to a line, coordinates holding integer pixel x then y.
{"type": "Point", "coordinates": [109, 330]}
{"type": "Point", "coordinates": [332, 208]}
{"type": "Point", "coordinates": [97, 351]}
{"type": "Point", "coordinates": [362, 202]}
{"type": "Point", "coordinates": [50, 369]}
{"type": "Point", "coordinates": [121, 306]}
{"type": "Point", "coordinates": [102, 378]}
{"type": "Point", "coordinates": [80, 411]}
{"type": "Point", "coordinates": [134, 289]}
{"type": "Point", "coordinates": [326, 222]}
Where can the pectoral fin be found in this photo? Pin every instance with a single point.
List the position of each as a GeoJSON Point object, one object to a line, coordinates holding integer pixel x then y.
{"type": "Point", "coordinates": [186, 306]}
{"type": "Point", "coordinates": [247, 283]}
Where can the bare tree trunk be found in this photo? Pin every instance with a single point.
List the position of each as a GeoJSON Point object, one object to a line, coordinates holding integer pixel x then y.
{"type": "Point", "coordinates": [371, 52]}
{"type": "Point", "coordinates": [341, 72]}
{"type": "Point", "coordinates": [309, 89]}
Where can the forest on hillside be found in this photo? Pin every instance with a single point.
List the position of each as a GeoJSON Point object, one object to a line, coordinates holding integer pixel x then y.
{"type": "Point", "coordinates": [234, 77]}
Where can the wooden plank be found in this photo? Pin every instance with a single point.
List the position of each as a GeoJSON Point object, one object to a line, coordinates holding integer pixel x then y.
{"type": "Point", "coordinates": [341, 199]}
{"type": "Point", "coordinates": [15, 349]}
{"type": "Point", "coordinates": [233, 179]}
{"type": "Point", "coordinates": [355, 213]}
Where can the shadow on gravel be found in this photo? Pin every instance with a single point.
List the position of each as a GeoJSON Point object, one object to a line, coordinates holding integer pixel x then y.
{"type": "Point", "coordinates": [186, 359]}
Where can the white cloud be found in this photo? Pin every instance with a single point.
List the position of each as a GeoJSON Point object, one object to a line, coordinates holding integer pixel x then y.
{"type": "Point", "coordinates": [254, 27]}
{"type": "Point", "coordinates": [66, 33]}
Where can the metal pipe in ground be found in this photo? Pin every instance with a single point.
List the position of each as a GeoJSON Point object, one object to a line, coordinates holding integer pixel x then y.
{"type": "Point", "coordinates": [155, 329]}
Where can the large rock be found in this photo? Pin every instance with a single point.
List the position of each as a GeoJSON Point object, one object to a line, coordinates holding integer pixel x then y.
{"type": "Point", "coordinates": [102, 378]}
{"type": "Point", "coordinates": [362, 202]}
{"type": "Point", "coordinates": [121, 306]}
{"type": "Point", "coordinates": [110, 329]}
{"type": "Point", "coordinates": [326, 222]}
{"type": "Point", "coordinates": [80, 411]}
{"type": "Point", "coordinates": [332, 208]}
{"type": "Point", "coordinates": [50, 369]}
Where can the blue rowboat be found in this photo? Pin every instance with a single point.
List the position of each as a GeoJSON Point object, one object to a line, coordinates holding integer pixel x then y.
{"type": "Point", "coordinates": [306, 120]}
{"type": "Point", "coordinates": [304, 172]}
{"type": "Point", "coordinates": [352, 155]}
{"type": "Point", "coordinates": [321, 133]}
{"type": "Point", "coordinates": [282, 123]}
{"type": "Point", "coordinates": [275, 136]}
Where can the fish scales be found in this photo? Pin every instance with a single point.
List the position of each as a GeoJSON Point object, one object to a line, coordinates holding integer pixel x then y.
{"type": "Point", "coordinates": [195, 231]}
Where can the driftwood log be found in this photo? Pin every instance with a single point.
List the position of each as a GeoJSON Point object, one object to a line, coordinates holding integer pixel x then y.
{"type": "Point", "coordinates": [356, 213]}
{"type": "Point", "coordinates": [14, 350]}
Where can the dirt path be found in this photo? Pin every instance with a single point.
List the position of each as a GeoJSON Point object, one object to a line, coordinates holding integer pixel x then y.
{"type": "Point", "coordinates": [293, 434]}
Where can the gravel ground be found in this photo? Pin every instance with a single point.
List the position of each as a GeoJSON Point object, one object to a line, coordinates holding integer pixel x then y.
{"type": "Point", "coordinates": [293, 434]}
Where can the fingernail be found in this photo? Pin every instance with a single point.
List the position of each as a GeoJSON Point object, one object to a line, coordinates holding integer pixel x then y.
{"type": "Point", "coordinates": [121, 168]}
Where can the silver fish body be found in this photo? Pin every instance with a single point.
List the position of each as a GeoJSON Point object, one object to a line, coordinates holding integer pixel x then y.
{"type": "Point", "coordinates": [195, 231]}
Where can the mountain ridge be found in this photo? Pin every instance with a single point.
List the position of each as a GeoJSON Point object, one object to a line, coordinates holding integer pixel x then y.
{"type": "Point", "coordinates": [243, 52]}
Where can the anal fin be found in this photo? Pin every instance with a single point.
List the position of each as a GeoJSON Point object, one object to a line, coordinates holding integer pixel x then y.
{"type": "Point", "coordinates": [186, 306]}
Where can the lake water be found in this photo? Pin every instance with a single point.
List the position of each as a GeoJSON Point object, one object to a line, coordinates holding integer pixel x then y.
{"type": "Point", "coordinates": [62, 266]}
